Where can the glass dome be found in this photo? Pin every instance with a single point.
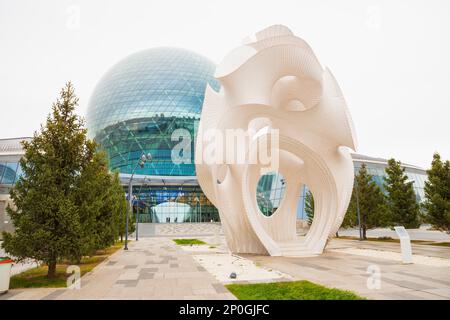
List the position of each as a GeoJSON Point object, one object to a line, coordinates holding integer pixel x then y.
{"type": "Point", "coordinates": [141, 100]}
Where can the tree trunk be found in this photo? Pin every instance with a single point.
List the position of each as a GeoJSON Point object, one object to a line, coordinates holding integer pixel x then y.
{"type": "Point", "coordinates": [364, 232]}
{"type": "Point", "coordinates": [51, 269]}
{"type": "Point", "coordinates": [337, 234]}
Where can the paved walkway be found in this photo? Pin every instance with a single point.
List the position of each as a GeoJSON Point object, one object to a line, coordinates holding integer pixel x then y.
{"type": "Point", "coordinates": [420, 249]}
{"type": "Point", "coordinates": [350, 272]}
{"type": "Point", "coordinates": [422, 233]}
{"type": "Point", "coordinates": [156, 268]}
{"type": "Point", "coordinates": [179, 229]}
{"type": "Point", "coordinates": [153, 268]}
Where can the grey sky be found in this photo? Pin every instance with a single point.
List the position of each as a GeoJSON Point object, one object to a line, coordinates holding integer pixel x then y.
{"type": "Point", "coordinates": [391, 58]}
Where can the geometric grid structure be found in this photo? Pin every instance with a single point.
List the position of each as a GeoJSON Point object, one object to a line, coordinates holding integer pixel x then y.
{"type": "Point", "coordinates": [141, 100]}
{"type": "Point", "coordinates": [173, 204]}
{"type": "Point", "coordinates": [125, 142]}
{"type": "Point", "coordinates": [274, 90]}
{"type": "Point", "coordinates": [136, 109]}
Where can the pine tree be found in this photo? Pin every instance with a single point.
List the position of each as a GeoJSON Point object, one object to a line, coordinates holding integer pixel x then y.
{"type": "Point", "coordinates": [92, 195]}
{"type": "Point", "coordinates": [45, 217]}
{"type": "Point", "coordinates": [67, 204]}
{"type": "Point", "coordinates": [437, 194]}
{"type": "Point", "coordinates": [403, 208]}
{"type": "Point", "coordinates": [371, 203]}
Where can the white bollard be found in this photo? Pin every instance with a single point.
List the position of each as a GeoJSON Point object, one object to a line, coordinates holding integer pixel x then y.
{"type": "Point", "coordinates": [405, 244]}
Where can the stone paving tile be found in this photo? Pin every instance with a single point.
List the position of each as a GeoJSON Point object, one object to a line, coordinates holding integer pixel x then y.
{"type": "Point", "coordinates": [146, 276]}
{"type": "Point", "coordinates": [430, 279]}
{"type": "Point", "coordinates": [220, 288]}
{"type": "Point", "coordinates": [128, 283]}
{"type": "Point", "coordinates": [10, 294]}
{"type": "Point", "coordinates": [445, 292]}
{"type": "Point", "coordinates": [54, 294]}
{"type": "Point", "coordinates": [27, 294]}
{"type": "Point", "coordinates": [312, 265]}
{"type": "Point", "coordinates": [408, 284]}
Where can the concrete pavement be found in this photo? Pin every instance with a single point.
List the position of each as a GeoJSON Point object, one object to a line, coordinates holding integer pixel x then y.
{"type": "Point", "coordinates": [152, 268]}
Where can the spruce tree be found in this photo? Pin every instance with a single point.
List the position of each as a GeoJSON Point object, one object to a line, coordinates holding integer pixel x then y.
{"type": "Point", "coordinates": [45, 215]}
{"type": "Point", "coordinates": [403, 208]}
{"type": "Point", "coordinates": [66, 204]}
{"type": "Point", "coordinates": [437, 194]}
{"type": "Point", "coordinates": [92, 195]}
{"type": "Point", "coordinates": [371, 203]}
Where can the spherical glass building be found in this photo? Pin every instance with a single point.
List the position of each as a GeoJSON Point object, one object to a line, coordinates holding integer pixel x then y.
{"type": "Point", "coordinates": [142, 105]}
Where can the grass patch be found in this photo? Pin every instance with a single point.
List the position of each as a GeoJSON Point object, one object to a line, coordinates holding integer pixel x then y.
{"type": "Point", "coordinates": [37, 277]}
{"type": "Point", "coordinates": [187, 242]}
{"type": "Point", "coordinates": [294, 290]}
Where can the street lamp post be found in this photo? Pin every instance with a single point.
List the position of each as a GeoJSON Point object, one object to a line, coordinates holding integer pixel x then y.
{"type": "Point", "coordinates": [142, 160]}
{"type": "Point", "coordinates": [357, 210]}
{"type": "Point", "coordinates": [137, 209]}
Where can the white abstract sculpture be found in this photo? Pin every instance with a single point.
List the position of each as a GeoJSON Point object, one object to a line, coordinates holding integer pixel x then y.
{"type": "Point", "coordinates": [275, 91]}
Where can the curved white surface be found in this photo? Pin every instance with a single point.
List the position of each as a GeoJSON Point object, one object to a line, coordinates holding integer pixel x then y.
{"type": "Point", "coordinates": [276, 82]}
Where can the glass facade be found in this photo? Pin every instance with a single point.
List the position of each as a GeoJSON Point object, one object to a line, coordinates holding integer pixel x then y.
{"type": "Point", "coordinates": [10, 154]}
{"type": "Point", "coordinates": [417, 176]}
{"type": "Point", "coordinates": [141, 106]}
{"type": "Point", "coordinates": [142, 100]}
{"type": "Point", "coordinates": [9, 173]}
{"type": "Point", "coordinates": [376, 168]}
{"type": "Point", "coordinates": [269, 192]}
{"type": "Point", "coordinates": [173, 204]}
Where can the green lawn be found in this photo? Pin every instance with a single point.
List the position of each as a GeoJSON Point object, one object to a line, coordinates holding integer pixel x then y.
{"type": "Point", "coordinates": [187, 242]}
{"type": "Point", "coordinates": [37, 277]}
{"type": "Point", "coordinates": [294, 290]}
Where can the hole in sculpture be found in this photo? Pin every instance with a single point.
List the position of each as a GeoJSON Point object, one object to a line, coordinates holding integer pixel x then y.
{"type": "Point", "coordinates": [307, 202]}
{"type": "Point", "coordinates": [269, 192]}
{"type": "Point", "coordinates": [305, 211]}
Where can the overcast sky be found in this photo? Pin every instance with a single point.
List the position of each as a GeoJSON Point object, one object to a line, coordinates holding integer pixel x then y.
{"type": "Point", "coordinates": [391, 58]}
